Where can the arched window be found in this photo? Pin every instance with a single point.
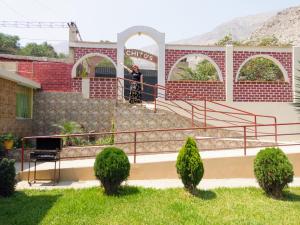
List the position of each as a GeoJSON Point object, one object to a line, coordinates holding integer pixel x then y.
{"type": "Point", "coordinates": [261, 68]}
{"type": "Point", "coordinates": [195, 67]}
{"type": "Point", "coordinates": [94, 65]}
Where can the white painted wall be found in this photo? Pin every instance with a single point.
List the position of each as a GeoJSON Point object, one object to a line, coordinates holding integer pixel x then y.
{"type": "Point", "coordinates": [296, 68]}
{"type": "Point", "coordinates": [157, 36]}
{"type": "Point", "coordinates": [229, 73]}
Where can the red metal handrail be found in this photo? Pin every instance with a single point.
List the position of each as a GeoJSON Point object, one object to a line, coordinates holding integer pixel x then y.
{"type": "Point", "coordinates": [204, 112]}
{"type": "Point", "coordinates": [245, 137]}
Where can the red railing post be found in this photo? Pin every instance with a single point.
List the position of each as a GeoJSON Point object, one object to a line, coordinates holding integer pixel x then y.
{"type": "Point", "coordinates": [245, 141]}
{"type": "Point", "coordinates": [275, 126]}
{"type": "Point", "coordinates": [22, 155]}
{"type": "Point", "coordinates": [134, 150]}
{"type": "Point", "coordinates": [192, 116]}
{"type": "Point", "coordinates": [205, 108]}
{"type": "Point", "coordinates": [155, 96]}
{"type": "Point", "coordinates": [255, 128]}
{"type": "Point", "coordinates": [117, 87]}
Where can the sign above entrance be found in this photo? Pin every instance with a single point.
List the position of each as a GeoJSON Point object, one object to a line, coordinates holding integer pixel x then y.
{"type": "Point", "coordinates": [141, 55]}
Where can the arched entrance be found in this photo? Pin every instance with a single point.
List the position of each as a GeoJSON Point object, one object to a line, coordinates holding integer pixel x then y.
{"type": "Point", "coordinates": [157, 36]}
{"type": "Point", "coordinates": [148, 66]}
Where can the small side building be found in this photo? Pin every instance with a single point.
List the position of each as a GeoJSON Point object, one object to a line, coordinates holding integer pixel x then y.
{"type": "Point", "coordinates": [16, 101]}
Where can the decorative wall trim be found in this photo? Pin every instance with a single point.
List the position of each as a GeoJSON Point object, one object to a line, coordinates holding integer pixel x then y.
{"type": "Point", "coordinates": [83, 44]}
{"type": "Point", "coordinates": [194, 47]}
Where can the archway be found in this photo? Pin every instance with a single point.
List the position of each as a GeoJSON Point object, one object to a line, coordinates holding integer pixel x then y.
{"type": "Point", "coordinates": [267, 60]}
{"type": "Point", "coordinates": [91, 55]}
{"type": "Point", "coordinates": [157, 36]}
{"type": "Point", "coordinates": [197, 60]}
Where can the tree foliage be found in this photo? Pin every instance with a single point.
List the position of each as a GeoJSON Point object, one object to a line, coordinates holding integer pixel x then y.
{"type": "Point", "coordinates": [261, 69]}
{"type": "Point", "coordinates": [7, 177]}
{"type": "Point", "coordinates": [189, 165]}
{"type": "Point", "coordinates": [273, 171]}
{"type": "Point", "coordinates": [267, 41]}
{"type": "Point", "coordinates": [111, 168]}
{"type": "Point", "coordinates": [204, 71]}
{"type": "Point", "coordinates": [9, 44]}
{"type": "Point", "coordinates": [228, 40]}
{"type": "Point", "coordinates": [39, 50]}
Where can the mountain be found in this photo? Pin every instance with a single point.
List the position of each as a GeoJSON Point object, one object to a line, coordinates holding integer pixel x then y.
{"type": "Point", "coordinates": [285, 26]}
{"type": "Point", "coordinates": [241, 28]}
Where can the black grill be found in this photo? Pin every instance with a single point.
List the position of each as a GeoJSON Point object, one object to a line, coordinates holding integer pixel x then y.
{"type": "Point", "coordinates": [47, 150]}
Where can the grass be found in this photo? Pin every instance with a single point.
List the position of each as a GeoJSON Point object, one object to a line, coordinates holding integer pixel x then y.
{"type": "Point", "coordinates": [150, 206]}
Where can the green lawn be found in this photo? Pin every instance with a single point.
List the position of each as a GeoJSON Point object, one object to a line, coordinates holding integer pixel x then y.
{"type": "Point", "coordinates": [150, 206]}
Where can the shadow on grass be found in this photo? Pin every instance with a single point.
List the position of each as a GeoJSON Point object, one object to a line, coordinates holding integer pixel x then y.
{"type": "Point", "coordinates": [24, 209]}
{"type": "Point", "coordinates": [204, 194]}
{"type": "Point", "coordinates": [128, 190]}
{"type": "Point", "coordinates": [291, 197]}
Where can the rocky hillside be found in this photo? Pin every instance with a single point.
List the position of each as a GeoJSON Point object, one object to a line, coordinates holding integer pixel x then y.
{"type": "Point", "coordinates": [241, 28]}
{"type": "Point", "coordinates": [285, 26]}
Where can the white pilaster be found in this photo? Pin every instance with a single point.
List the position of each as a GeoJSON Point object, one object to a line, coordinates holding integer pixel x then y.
{"type": "Point", "coordinates": [85, 87]}
{"type": "Point", "coordinates": [229, 73]}
{"type": "Point", "coordinates": [296, 68]}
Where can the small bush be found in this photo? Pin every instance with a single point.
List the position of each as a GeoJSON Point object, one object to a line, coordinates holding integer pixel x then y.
{"type": "Point", "coordinates": [111, 168]}
{"type": "Point", "coordinates": [7, 177]}
{"type": "Point", "coordinates": [189, 165]}
{"type": "Point", "coordinates": [273, 171]}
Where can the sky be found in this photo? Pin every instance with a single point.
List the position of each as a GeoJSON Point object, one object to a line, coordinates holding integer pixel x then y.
{"type": "Point", "coordinates": [102, 20]}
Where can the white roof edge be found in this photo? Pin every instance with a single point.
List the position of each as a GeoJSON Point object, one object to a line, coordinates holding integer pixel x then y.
{"type": "Point", "coordinates": [263, 49]}
{"type": "Point", "coordinates": [33, 58]}
{"type": "Point", "coordinates": [195, 47]}
{"type": "Point", "coordinates": [12, 76]}
{"type": "Point", "coordinates": [83, 44]}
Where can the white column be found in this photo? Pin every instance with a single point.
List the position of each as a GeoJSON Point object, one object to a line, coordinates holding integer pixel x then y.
{"type": "Point", "coordinates": [296, 68]}
{"type": "Point", "coordinates": [229, 73]}
{"type": "Point", "coordinates": [85, 87]}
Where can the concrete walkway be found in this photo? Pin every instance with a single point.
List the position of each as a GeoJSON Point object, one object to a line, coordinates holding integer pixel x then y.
{"type": "Point", "coordinates": [160, 184]}
{"type": "Point", "coordinates": [164, 157]}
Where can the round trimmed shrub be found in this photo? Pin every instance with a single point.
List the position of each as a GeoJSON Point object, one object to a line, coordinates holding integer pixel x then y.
{"type": "Point", "coordinates": [273, 171]}
{"type": "Point", "coordinates": [111, 168]}
{"type": "Point", "coordinates": [7, 177]}
{"type": "Point", "coordinates": [189, 165]}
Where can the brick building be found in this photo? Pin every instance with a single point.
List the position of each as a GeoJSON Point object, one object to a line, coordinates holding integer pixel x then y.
{"type": "Point", "coordinates": [59, 76]}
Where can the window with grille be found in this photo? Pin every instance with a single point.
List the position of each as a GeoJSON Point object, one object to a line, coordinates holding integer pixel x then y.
{"type": "Point", "coordinates": [24, 102]}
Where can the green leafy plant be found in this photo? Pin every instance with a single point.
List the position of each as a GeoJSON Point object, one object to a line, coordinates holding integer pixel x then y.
{"type": "Point", "coordinates": [70, 127]}
{"type": "Point", "coordinates": [260, 69]}
{"type": "Point", "coordinates": [109, 140]}
{"type": "Point", "coordinates": [273, 171]}
{"type": "Point", "coordinates": [204, 71]}
{"type": "Point", "coordinates": [7, 137]}
{"type": "Point", "coordinates": [7, 177]}
{"type": "Point", "coordinates": [111, 168]}
{"type": "Point", "coordinates": [189, 165]}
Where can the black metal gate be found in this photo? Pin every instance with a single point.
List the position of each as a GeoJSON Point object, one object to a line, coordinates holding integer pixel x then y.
{"type": "Point", "coordinates": [150, 77]}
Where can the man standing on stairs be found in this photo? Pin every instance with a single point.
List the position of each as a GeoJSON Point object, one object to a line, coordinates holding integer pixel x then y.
{"type": "Point", "coordinates": [136, 86]}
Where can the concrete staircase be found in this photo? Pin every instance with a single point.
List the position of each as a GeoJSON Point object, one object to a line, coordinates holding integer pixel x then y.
{"type": "Point", "coordinates": [140, 117]}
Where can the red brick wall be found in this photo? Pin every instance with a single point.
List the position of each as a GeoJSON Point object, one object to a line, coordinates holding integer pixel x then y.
{"type": "Point", "coordinates": [248, 91]}
{"type": "Point", "coordinates": [53, 76]}
{"type": "Point", "coordinates": [196, 90]}
{"type": "Point", "coordinates": [173, 55]}
{"type": "Point", "coordinates": [110, 52]}
{"type": "Point", "coordinates": [76, 85]}
{"type": "Point", "coordinates": [104, 88]}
